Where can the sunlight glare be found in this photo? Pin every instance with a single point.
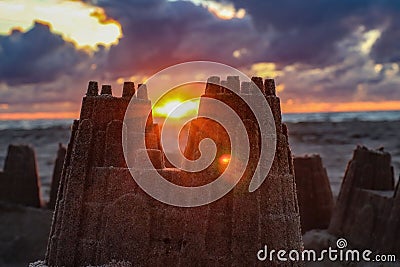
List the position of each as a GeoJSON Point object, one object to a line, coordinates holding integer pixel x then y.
{"type": "Point", "coordinates": [224, 159]}
{"type": "Point", "coordinates": [175, 108]}
{"type": "Point", "coordinates": [221, 10]}
{"type": "Point", "coordinates": [78, 22]}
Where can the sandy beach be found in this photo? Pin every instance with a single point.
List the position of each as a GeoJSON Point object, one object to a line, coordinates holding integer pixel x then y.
{"type": "Point", "coordinates": [333, 141]}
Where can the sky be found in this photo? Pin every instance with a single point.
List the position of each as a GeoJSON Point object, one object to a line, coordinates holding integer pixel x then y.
{"type": "Point", "coordinates": [325, 55]}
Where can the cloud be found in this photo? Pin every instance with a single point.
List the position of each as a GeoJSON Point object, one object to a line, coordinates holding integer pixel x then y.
{"type": "Point", "coordinates": [37, 56]}
{"type": "Point", "coordinates": [357, 78]}
{"type": "Point", "coordinates": [331, 51]}
{"type": "Point", "coordinates": [308, 32]}
{"type": "Point", "coordinates": [161, 33]}
{"type": "Point", "coordinates": [83, 24]}
{"type": "Point", "coordinates": [387, 47]}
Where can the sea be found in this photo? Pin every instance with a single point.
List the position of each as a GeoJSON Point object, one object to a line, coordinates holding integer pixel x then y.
{"type": "Point", "coordinates": [342, 116]}
{"type": "Point", "coordinates": [288, 117]}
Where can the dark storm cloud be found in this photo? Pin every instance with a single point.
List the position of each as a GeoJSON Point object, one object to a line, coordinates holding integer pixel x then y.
{"type": "Point", "coordinates": [36, 56]}
{"type": "Point", "coordinates": [387, 47]}
{"type": "Point", "coordinates": [159, 33]}
{"type": "Point", "coordinates": [309, 31]}
{"type": "Point", "coordinates": [355, 79]}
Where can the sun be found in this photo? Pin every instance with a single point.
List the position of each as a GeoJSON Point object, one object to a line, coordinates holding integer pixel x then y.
{"type": "Point", "coordinates": [176, 108]}
{"type": "Point", "coordinates": [180, 102]}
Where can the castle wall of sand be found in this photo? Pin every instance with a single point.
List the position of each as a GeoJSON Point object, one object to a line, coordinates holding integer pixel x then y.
{"type": "Point", "coordinates": [101, 214]}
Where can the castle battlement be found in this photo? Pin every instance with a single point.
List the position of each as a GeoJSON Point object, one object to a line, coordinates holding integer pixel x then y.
{"type": "Point", "coordinates": [128, 90]}
{"type": "Point", "coordinates": [232, 84]}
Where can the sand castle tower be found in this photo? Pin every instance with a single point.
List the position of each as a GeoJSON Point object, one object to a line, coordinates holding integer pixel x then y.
{"type": "Point", "coordinates": [55, 181]}
{"type": "Point", "coordinates": [102, 214]}
{"type": "Point", "coordinates": [313, 192]}
{"type": "Point", "coordinates": [19, 182]}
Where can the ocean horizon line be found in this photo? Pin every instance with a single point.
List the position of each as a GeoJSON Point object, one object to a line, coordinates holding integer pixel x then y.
{"type": "Point", "coordinates": [283, 113]}
{"type": "Point", "coordinates": [335, 117]}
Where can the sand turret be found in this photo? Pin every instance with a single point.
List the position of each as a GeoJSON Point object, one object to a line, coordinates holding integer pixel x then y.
{"type": "Point", "coordinates": [313, 192]}
{"type": "Point", "coordinates": [55, 181]}
{"type": "Point", "coordinates": [19, 182]}
{"type": "Point", "coordinates": [128, 89]}
{"type": "Point", "coordinates": [106, 89]}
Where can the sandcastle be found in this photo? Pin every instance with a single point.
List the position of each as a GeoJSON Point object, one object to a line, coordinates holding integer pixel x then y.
{"type": "Point", "coordinates": [313, 192]}
{"type": "Point", "coordinates": [19, 182]}
{"type": "Point", "coordinates": [102, 215]}
{"type": "Point", "coordinates": [368, 206]}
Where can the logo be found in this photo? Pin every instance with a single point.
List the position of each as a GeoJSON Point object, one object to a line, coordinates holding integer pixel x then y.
{"type": "Point", "coordinates": [150, 179]}
{"type": "Point", "coordinates": [339, 254]}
